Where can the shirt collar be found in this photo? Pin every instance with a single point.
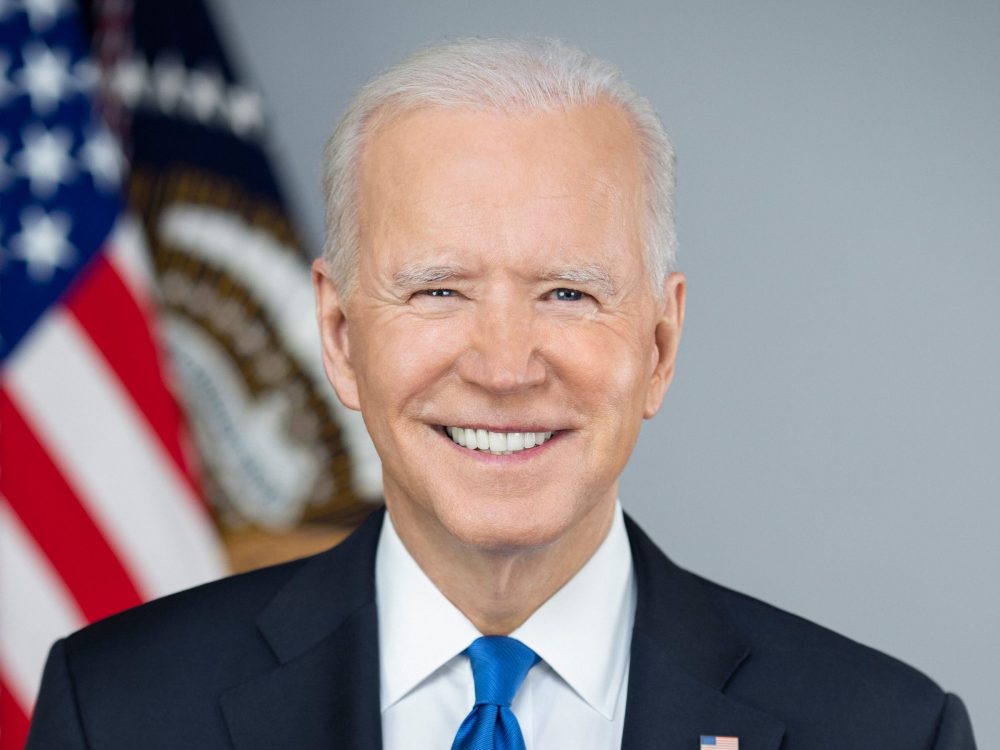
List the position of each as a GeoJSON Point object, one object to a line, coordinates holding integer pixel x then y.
{"type": "Point", "coordinates": [584, 631]}
{"type": "Point", "coordinates": [420, 630]}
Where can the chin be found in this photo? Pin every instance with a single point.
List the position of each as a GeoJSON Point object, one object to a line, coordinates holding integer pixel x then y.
{"type": "Point", "coordinates": [508, 526]}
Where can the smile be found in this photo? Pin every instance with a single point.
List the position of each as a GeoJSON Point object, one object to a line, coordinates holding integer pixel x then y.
{"type": "Point", "coordinates": [497, 443]}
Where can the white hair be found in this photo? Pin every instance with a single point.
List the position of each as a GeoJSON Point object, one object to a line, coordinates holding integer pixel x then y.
{"type": "Point", "coordinates": [502, 75]}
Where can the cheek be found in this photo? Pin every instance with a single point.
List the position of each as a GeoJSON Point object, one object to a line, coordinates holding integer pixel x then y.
{"type": "Point", "coordinates": [605, 365]}
{"type": "Point", "coordinates": [402, 359]}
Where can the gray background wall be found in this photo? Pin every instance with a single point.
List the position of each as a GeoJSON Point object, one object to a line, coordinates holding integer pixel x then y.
{"type": "Point", "coordinates": [831, 441]}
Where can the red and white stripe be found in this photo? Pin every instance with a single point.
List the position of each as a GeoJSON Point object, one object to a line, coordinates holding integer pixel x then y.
{"type": "Point", "coordinates": [722, 743]}
{"type": "Point", "coordinates": [99, 505]}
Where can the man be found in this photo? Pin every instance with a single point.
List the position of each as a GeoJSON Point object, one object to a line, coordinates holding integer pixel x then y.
{"type": "Point", "coordinates": [498, 298]}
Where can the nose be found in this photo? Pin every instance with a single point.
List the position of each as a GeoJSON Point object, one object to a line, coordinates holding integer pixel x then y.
{"type": "Point", "coordinates": [504, 354]}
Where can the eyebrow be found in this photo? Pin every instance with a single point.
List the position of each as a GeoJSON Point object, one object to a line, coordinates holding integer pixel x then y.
{"type": "Point", "coordinates": [591, 275]}
{"type": "Point", "coordinates": [418, 275]}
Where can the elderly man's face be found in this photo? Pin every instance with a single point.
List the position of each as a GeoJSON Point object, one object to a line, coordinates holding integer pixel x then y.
{"type": "Point", "coordinates": [502, 298]}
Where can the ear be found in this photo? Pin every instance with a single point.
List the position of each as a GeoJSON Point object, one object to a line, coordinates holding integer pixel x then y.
{"type": "Point", "coordinates": [331, 316]}
{"type": "Point", "coordinates": [668, 337]}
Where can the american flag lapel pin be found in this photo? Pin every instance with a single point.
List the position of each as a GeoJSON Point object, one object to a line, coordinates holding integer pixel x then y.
{"type": "Point", "coordinates": [712, 742]}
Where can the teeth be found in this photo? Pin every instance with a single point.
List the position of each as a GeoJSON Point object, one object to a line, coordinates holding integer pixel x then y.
{"type": "Point", "coordinates": [498, 443]}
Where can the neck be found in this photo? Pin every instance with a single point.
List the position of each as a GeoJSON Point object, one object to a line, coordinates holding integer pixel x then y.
{"type": "Point", "coordinates": [499, 589]}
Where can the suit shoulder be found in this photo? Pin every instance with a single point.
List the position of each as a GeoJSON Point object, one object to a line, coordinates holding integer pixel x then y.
{"type": "Point", "coordinates": [220, 604]}
{"type": "Point", "coordinates": [228, 608]}
{"type": "Point", "coordinates": [828, 691]}
{"type": "Point", "coordinates": [210, 629]}
{"type": "Point", "coordinates": [171, 660]}
{"type": "Point", "coordinates": [794, 661]}
{"type": "Point", "coordinates": [783, 647]}
{"type": "Point", "coordinates": [207, 622]}
{"type": "Point", "coordinates": [778, 631]}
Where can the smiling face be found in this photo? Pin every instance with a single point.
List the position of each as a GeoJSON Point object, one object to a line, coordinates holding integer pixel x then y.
{"type": "Point", "coordinates": [503, 342]}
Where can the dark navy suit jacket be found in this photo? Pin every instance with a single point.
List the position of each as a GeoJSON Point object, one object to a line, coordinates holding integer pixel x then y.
{"type": "Point", "coordinates": [287, 657]}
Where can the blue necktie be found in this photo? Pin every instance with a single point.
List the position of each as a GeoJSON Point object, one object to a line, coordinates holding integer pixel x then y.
{"type": "Point", "coordinates": [499, 666]}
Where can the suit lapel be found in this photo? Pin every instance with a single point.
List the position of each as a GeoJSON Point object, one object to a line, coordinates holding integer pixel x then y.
{"type": "Point", "coordinates": [324, 692]}
{"type": "Point", "coordinates": [684, 651]}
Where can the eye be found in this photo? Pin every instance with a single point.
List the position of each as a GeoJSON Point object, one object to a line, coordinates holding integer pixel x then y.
{"type": "Point", "coordinates": [566, 295]}
{"type": "Point", "coordinates": [438, 292]}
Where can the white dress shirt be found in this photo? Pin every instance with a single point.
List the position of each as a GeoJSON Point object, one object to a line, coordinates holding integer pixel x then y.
{"type": "Point", "coordinates": [573, 698]}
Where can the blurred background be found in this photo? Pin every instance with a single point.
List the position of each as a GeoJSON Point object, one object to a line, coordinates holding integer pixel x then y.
{"type": "Point", "coordinates": [830, 443]}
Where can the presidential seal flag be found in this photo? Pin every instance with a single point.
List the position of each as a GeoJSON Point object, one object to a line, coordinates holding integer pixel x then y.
{"type": "Point", "coordinates": [276, 445]}
{"type": "Point", "coordinates": [100, 505]}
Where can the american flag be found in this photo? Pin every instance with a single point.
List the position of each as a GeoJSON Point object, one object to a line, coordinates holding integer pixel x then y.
{"type": "Point", "coordinates": [99, 506]}
{"type": "Point", "coordinates": [712, 742]}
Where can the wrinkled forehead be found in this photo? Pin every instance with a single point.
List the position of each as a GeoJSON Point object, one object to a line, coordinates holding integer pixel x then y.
{"type": "Point", "coordinates": [397, 108]}
{"type": "Point", "coordinates": [431, 160]}
{"type": "Point", "coordinates": [541, 196]}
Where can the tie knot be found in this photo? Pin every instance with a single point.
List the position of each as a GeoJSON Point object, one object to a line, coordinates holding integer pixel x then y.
{"type": "Point", "coordinates": [499, 666]}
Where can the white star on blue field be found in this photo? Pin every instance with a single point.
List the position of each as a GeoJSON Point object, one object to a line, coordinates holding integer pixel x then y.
{"type": "Point", "coordinates": [60, 168]}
